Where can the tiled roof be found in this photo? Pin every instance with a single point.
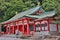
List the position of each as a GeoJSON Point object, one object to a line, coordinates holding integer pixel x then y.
{"type": "Point", "coordinates": [31, 11]}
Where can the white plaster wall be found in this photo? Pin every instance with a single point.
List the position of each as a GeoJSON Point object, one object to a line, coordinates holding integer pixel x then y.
{"type": "Point", "coordinates": [52, 27]}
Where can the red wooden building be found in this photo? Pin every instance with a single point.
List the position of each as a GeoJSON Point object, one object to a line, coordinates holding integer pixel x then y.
{"type": "Point", "coordinates": [30, 21]}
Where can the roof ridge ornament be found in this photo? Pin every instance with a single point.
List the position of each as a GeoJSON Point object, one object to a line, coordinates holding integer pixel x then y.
{"type": "Point", "coordinates": [16, 12]}
{"type": "Point", "coordinates": [38, 4]}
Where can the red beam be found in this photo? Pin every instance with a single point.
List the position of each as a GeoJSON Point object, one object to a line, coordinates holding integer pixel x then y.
{"type": "Point", "coordinates": [57, 27]}
{"type": "Point", "coordinates": [23, 26]}
{"type": "Point", "coordinates": [28, 29]}
{"type": "Point", "coordinates": [34, 27]}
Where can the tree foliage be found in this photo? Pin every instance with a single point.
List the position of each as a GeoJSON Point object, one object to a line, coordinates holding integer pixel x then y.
{"type": "Point", "coordinates": [52, 5]}
{"type": "Point", "coordinates": [8, 8]}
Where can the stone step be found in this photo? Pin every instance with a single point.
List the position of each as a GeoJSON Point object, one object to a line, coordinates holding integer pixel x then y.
{"type": "Point", "coordinates": [54, 33]}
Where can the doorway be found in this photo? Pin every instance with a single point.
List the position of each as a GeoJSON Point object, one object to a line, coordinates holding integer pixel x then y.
{"type": "Point", "coordinates": [25, 29]}
{"type": "Point", "coordinates": [3, 28]}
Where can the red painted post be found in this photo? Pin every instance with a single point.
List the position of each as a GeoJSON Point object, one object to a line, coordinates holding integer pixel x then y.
{"type": "Point", "coordinates": [34, 27]}
{"type": "Point", "coordinates": [6, 29]}
{"type": "Point", "coordinates": [23, 26]}
{"type": "Point", "coordinates": [28, 30]}
{"type": "Point", "coordinates": [17, 25]}
{"type": "Point", "coordinates": [40, 26]}
{"type": "Point", "coordinates": [48, 25]}
{"type": "Point", "coordinates": [57, 27]}
{"type": "Point", "coordinates": [12, 28]}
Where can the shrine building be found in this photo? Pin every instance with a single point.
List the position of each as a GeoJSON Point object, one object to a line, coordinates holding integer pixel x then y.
{"type": "Point", "coordinates": [31, 21]}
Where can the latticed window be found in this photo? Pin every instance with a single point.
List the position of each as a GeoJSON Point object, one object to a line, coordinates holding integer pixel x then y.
{"type": "Point", "coordinates": [31, 27]}
{"type": "Point", "coordinates": [37, 26]}
{"type": "Point", "coordinates": [44, 26]}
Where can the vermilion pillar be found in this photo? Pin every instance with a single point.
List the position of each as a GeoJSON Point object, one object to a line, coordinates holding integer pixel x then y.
{"type": "Point", "coordinates": [34, 27]}
{"type": "Point", "coordinates": [28, 30]}
{"type": "Point", "coordinates": [13, 29]}
{"type": "Point", "coordinates": [57, 27]}
{"type": "Point", "coordinates": [23, 26]}
{"type": "Point", "coordinates": [48, 26]}
{"type": "Point", "coordinates": [6, 29]}
{"type": "Point", "coordinates": [17, 25]}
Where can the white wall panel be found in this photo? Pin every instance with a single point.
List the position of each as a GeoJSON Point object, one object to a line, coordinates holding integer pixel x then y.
{"type": "Point", "coordinates": [52, 27]}
{"type": "Point", "coordinates": [59, 28]}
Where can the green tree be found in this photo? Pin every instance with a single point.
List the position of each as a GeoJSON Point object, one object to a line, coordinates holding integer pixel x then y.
{"type": "Point", "coordinates": [9, 8]}
{"type": "Point", "coordinates": [52, 5]}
